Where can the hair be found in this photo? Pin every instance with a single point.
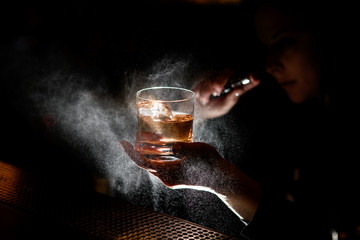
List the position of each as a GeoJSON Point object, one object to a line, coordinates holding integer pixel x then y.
{"type": "Point", "coordinates": [308, 15]}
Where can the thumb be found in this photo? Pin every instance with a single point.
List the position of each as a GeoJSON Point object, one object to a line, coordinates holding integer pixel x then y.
{"type": "Point", "coordinates": [229, 100]}
{"type": "Point", "coordinates": [179, 149]}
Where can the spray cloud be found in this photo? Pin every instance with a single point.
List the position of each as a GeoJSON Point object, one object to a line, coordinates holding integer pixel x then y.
{"type": "Point", "coordinates": [94, 122]}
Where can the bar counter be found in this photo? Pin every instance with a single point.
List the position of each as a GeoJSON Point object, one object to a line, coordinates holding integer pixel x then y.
{"type": "Point", "coordinates": [28, 210]}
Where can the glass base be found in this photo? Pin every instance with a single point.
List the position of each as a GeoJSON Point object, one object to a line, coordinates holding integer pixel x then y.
{"type": "Point", "coordinates": [164, 158]}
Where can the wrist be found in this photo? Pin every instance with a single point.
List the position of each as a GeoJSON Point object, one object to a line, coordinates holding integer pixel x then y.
{"type": "Point", "coordinates": [239, 192]}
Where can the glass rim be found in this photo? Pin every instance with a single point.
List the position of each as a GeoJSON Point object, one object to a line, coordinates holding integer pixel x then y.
{"type": "Point", "coordinates": [160, 87]}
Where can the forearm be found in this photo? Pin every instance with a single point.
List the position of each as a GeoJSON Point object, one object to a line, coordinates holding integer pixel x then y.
{"type": "Point", "coordinates": [239, 192]}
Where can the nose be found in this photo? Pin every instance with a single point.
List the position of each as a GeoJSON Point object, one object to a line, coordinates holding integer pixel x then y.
{"type": "Point", "coordinates": [274, 66]}
{"type": "Point", "coordinates": [274, 69]}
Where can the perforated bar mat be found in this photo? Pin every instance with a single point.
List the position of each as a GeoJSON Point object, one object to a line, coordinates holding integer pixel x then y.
{"type": "Point", "coordinates": [99, 217]}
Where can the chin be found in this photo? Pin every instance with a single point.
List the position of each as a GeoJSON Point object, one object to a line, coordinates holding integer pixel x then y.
{"type": "Point", "coordinates": [298, 99]}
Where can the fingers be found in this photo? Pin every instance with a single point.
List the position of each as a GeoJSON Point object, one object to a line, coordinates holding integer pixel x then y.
{"type": "Point", "coordinates": [232, 96]}
{"type": "Point", "coordinates": [212, 85]}
{"type": "Point", "coordinates": [228, 101]}
{"type": "Point", "coordinates": [222, 105]}
{"type": "Point", "coordinates": [219, 106]}
{"type": "Point", "coordinates": [208, 107]}
{"type": "Point", "coordinates": [253, 83]}
{"type": "Point", "coordinates": [136, 156]}
{"type": "Point", "coordinates": [204, 92]}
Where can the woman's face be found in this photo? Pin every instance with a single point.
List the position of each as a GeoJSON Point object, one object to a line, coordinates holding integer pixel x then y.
{"type": "Point", "coordinates": [292, 58]}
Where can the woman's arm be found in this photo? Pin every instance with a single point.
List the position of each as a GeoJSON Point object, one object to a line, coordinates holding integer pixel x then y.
{"type": "Point", "coordinates": [202, 168]}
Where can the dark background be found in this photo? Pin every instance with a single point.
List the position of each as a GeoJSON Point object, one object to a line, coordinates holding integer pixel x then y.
{"type": "Point", "coordinates": [103, 41]}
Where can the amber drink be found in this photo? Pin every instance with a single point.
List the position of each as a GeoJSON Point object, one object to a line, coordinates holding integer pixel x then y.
{"type": "Point", "coordinates": [165, 116]}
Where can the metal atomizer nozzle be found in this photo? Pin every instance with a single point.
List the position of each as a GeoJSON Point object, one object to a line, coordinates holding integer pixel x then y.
{"type": "Point", "coordinates": [234, 82]}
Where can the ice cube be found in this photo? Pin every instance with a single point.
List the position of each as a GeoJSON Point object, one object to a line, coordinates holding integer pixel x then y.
{"type": "Point", "coordinates": [159, 111]}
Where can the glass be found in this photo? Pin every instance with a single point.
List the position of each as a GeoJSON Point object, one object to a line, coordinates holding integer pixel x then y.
{"type": "Point", "coordinates": [165, 116]}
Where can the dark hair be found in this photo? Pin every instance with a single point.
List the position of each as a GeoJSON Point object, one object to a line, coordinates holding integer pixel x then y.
{"type": "Point", "coordinates": [309, 13]}
{"type": "Point", "coordinates": [306, 13]}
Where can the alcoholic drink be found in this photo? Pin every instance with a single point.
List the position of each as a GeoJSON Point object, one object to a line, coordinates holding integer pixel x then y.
{"type": "Point", "coordinates": [165, 117]}
{"type": "Point", "coordinates": [157, 136]}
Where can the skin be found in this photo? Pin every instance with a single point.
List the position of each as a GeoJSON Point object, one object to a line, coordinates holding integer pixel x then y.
{"type": "Point", "coordinates": [292, 58]}
{"type": "Point", "coordinates": [208, 107]}
{"type": "Point", "coordinates": [293, 62]}
{"type": "Point", "coordinates": [201, 167]}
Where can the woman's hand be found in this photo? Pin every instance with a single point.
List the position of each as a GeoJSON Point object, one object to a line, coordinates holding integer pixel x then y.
{"type": "Point", "coordinates": [201, 167]}
{"type": "Point", "coordinates": [209, 103]}
{"type": "Point", "coordinates": [197, 162]}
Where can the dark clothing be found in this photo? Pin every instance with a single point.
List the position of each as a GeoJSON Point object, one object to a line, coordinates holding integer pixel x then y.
{"type": "Point", "coordinates": [319, 200]}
